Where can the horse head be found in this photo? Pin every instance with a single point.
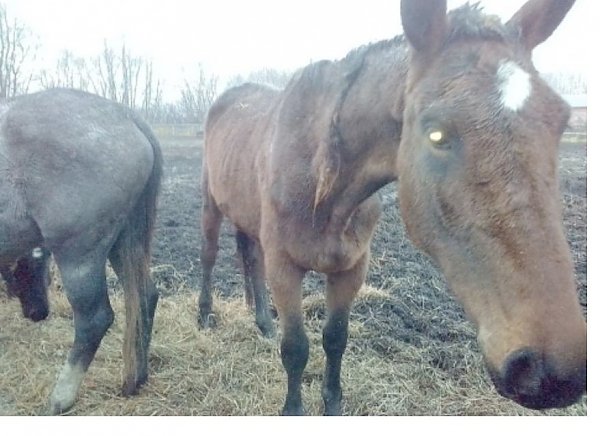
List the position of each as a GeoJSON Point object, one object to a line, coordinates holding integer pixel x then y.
{"type": "Point", "coordinates": [479, 191]}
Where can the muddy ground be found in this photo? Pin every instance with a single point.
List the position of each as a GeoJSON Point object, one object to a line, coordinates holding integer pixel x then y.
{"type": "Point", "coordinates": [395, 266]}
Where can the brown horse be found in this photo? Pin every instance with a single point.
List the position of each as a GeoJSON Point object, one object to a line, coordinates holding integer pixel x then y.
{"type": "Point", "coordinates": [457, 112]}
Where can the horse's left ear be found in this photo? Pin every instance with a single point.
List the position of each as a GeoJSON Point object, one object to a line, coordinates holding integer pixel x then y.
{"type": "Point", "coordinates": [425, 24]}
{"type": "Point", "coordinates": [537, 19]}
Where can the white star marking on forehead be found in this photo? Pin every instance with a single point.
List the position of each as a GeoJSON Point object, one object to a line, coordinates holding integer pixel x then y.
{"type": "Point", "coordinates": [514, 85]}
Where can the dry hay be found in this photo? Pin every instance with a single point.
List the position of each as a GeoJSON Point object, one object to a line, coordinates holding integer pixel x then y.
{"type": "Point", "coordinates": [232, 370]}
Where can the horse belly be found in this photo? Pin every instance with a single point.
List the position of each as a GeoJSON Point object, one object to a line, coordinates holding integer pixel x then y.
{"type": "Point", "coordinates": [233, 184]}
{"type": "Point", "coordinates": [242, 208]}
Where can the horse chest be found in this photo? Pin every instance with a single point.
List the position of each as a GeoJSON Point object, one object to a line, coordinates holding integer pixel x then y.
{"type": "Point", "coordinates": [333, 247]}
{"type": "Point", "coordinates": [326, 251]}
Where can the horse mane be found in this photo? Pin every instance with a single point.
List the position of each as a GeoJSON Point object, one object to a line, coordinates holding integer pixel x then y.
{"type": "Point", "coordinates": [470, 22]}
{"type": "Point", "coordinates": [328, 153]}
{"type": "Point", "coordinates": [364, 50]}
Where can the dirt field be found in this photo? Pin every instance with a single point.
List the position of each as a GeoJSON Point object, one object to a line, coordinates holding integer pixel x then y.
{"type": "Point", "coordinates": [410, 352]}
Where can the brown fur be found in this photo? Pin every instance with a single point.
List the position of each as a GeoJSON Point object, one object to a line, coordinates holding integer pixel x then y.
{"type": "Point", "coordinates": [296, 170]}
{"type": "Point", "coordinates": [487, 205]}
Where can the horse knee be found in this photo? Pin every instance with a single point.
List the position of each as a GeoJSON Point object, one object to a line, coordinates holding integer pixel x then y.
{"type": "Point", "coordinates": [208, 255]}
{"type": "Point", "coordinates": [335, 334]}
{"type": "Point", "coordinates": [100, 322]}
{"type": "Point", "coordinates": [294, 350]}
{"type": "Point", "coordinates": [93, 315]}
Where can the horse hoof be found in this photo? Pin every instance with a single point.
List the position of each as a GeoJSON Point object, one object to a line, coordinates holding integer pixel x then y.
{"type": "Point", "coordinates": [332, 400]}
{"type": "Point", "coordinates": [207, 321]}
{"type": "Point", "coordinates": [268, 332]}
{"type": "Point", "coordinates": [129, 388]}
{"type": "Point", "coordinates": [295, 412]}
{"type": "Point", "coordinates": [333, 410]}
{"type": "Point", "coordinates": [55, 408]}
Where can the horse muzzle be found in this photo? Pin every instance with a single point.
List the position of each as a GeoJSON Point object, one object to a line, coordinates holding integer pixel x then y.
{"type": "Point", "coordinates": [36, 313]}
{"type": "Point", "coordinates": [530, 380]}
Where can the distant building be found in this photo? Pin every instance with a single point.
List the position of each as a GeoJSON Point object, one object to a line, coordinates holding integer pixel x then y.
{"type": "Point", "coordinates": [578, 103]}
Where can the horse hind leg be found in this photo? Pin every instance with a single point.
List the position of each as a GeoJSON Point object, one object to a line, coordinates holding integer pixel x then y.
{"type": "Point", "coordinates": [84, 282]}
{"type": "Point", "coordinates": [341, 290]}
{"type": "Point", "coordinates": [254, 278]}
{"type": "Point", "coordinates": [242, 241]}
{"type": "Point", "coordinates": [211, 224]}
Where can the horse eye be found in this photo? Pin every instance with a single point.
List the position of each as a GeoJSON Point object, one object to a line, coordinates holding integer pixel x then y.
{"type": "Point", "coordinates": [438, 138]}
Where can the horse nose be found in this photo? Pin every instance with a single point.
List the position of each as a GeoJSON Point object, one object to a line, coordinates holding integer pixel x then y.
{"type": "Point", "coordinates": [37, 314]}
{"type": "Point", "coordinates": [523, 373]}
{"type": "Point", "coordinates": [531, 381]}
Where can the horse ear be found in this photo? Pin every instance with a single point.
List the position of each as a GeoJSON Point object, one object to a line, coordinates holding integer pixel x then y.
{"type": "Point", "coordinates": [537, 19]}
{"type": "Point", "coordinates": [424, 23]}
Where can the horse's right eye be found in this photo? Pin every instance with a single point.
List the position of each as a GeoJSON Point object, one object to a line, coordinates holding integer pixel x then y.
{"type": "Point", "coordinates": [438, 138]}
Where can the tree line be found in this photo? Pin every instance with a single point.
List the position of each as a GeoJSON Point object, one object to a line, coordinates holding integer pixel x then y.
{"type": "Point", "coordinates": [114, 73]}
{"type": "Point", "coordinates": [120, 75]}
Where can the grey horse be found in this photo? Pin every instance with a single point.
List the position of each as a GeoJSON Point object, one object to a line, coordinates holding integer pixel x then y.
{"type": "Point", "coordinates": [79, 178]}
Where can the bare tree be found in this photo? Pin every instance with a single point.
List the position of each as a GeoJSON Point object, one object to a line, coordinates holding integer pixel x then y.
{"type": "Point", "coordinates": [152, 104]}
{"type": "Point", "coordinates": [16, 50]}
{"type": "Point", "coordinates": [70, 72]}
{"type": "Point", "coordinates": [566, 83]}
{"type": "Point", "coordinates": [104, 75]}
{"type": "Point", "coordinates": [131, 67]}
{"type": "Point", "coordinates": [197, 96]}
{"type": "Point", "coordinates": [125, 78]}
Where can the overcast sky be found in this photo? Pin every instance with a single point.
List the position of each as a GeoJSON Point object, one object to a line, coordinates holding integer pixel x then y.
{"type": "Point", "coordinates": [235, 36]}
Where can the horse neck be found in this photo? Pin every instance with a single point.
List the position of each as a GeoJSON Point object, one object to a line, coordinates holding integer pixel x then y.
{"type": "Point", "coordinates": [367, 134]}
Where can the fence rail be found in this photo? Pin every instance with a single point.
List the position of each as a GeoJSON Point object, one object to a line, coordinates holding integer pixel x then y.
{"type": "Point", "coordinates": [190, 130]}
{"type": "Point", "coordinates": [574, 137]}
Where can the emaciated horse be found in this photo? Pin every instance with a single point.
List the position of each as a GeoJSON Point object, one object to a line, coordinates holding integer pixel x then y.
{"type": "Point", "coordinates": [457, 111]}
{"type": "Point", "coordinates": [79, 177]}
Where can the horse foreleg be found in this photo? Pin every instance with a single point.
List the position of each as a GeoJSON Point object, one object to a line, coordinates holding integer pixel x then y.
{"type": "Point", "coordinates": [286, 280]}
{"type": "Point", "coordinates": [342, 288]}
{"type": "Point", "coordinates": [244, 252]}
{"type": "Point", "coordinates": [85, 286]}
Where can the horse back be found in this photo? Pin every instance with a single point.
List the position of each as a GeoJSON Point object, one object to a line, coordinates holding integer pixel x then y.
{"type": "Point", "coordinates": [74, 159]}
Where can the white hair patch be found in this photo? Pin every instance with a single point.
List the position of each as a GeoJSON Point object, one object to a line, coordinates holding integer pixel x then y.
{"type": "Point", "coordinates": [514, 85]}
{"type": "Point", "coordinates": [37, 253]}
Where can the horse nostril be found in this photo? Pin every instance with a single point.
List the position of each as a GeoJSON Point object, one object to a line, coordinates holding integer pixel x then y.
{"type": "Point", "coordinates": [37, 314]}
{"type": "Point", "coordinates": [524, 373]}
{"type": "Point", "coordinates": [533, 382]}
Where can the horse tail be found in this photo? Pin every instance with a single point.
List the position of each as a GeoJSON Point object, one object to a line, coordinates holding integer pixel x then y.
{"type": "Point", "coordinates": [132, 254]}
